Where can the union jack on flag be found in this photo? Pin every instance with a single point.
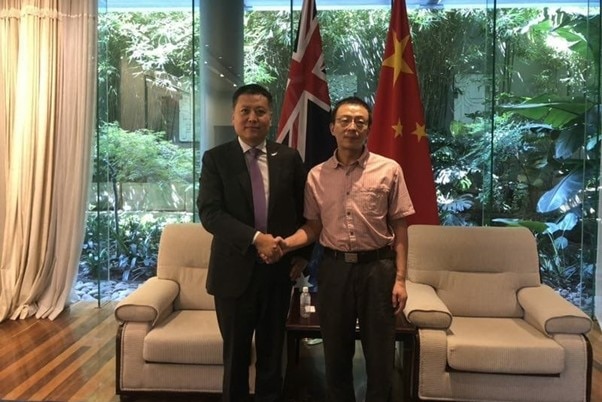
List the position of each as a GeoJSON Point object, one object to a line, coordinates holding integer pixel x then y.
{"type": "Point", "coordinates": [304, 121]}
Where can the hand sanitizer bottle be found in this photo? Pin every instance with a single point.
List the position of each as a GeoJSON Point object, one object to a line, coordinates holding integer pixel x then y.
{"type": "Point", "coordinates": [304, 302]}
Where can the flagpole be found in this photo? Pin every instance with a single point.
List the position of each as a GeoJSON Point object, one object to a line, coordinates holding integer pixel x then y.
{"type": "Point", "coordinates": [292, 30]}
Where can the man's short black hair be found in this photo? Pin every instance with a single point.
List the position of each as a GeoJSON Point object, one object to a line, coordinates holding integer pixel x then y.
{"type": "Point", "coordinates": [351, 100]}
{"type": "Point", "coordinates": [251, 89]}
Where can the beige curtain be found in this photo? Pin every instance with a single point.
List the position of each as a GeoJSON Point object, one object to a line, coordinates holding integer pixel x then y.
{"type": "Point", "coordinates": [47, 110]}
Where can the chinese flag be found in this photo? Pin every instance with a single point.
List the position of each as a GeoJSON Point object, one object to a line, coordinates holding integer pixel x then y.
{"type": "Point", "coordinates": [304, 121]}
{"type": "Point", "coordinates": [398, 130]}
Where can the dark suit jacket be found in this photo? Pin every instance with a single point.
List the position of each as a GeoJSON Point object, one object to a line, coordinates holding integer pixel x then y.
{"type": "Point", "coordinates": [225, 205]}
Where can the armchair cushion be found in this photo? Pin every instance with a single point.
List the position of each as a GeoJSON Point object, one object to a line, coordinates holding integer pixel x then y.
{"type": "Point", "coordinates": [480, 294]}
{"type": "Point", "coordinates": [149, 303]}
{"type": "Point", "coordinates": [502, 345]}
{"type": "Point", "coordinates": [189, 278]}
{"type": "Point", "coordinates": [185, 337]}
{"type": "Point", "coordinates": [424, 308]}
{"type": "Point", "coordinates": [550, 313]}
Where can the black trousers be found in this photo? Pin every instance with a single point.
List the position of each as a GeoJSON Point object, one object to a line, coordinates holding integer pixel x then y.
{"type": "Point", "coordinates": [261, 310]}
{"type": "Point", "coordinates": [350, 293]}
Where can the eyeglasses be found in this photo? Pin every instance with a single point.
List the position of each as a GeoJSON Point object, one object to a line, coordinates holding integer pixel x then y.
{"type": "Point", "coordinates": [345, 121]}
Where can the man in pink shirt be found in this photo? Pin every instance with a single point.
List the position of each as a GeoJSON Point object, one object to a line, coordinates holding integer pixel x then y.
{"type": "Point", "coordinates": [355, 205]}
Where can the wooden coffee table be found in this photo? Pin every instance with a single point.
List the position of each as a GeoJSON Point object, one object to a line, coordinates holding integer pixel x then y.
{"type": "Point", "coordinates": [298, 327]}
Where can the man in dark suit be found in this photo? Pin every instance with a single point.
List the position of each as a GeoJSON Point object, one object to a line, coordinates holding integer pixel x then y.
{"type": "Point", "coordinates": [251, 297]}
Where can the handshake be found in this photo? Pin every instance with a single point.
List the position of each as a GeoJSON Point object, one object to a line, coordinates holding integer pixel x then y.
{"type": "Point", "coordinates": [270, 248]}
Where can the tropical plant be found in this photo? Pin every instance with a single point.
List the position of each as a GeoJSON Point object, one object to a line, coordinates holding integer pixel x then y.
{"type": "Point", "coordinates": [573, 124]}
{"type": "Point", "coordinates": [569, 168]}
{"type": "Point", "coordinates": [162, 44]}
{"type": "Point", "coordinates": [130, 253]}
{"type": "Point", "coordinates": [140, 156]}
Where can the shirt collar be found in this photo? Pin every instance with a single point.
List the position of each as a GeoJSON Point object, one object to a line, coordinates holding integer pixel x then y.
{"type": "Point", "coordinates": [361, 161]}
{"type": "Point", "coordinates": [245, 147]}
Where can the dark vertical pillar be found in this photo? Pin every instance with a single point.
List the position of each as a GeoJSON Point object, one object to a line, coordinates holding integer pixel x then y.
{"type": "Point", "coordinates": [222, 35]}
{"type": "Point", "coordinates": [222, 66]}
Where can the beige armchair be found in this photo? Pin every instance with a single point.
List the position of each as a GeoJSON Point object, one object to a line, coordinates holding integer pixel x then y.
{"type": "Point", "coordinates": [488, 330]}
{"type": "Point", "coordinates": [168, 339]}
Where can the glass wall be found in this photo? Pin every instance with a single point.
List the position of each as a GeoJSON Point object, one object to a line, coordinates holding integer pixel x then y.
{"type": "Point", "coordinates": [511, 95]}
{"type": "Point", "coordinates": [145, 145]}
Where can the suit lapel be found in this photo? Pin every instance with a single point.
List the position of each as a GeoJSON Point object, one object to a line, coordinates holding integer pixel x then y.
{"type": "Point", "coordinates": [243, 173]}
{"type": "Point", "coordinates": [274, 173]}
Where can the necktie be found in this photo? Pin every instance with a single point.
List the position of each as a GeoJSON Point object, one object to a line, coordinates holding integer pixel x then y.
{"type": "Point", "coordinates": [259, 201]}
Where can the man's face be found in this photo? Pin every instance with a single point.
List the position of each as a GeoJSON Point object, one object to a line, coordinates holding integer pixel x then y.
{"type": "Point", "coordinates": [252, 118]}
{"type": "Point", "coordinates": [350, 127]}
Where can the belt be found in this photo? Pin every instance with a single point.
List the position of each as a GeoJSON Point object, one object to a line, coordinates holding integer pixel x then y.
{"type": "Point", "coordinates": [385, 253]}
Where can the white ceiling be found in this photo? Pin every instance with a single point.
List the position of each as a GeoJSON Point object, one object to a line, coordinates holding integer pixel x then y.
{"type": "Point", "coordinates": [266, 5]}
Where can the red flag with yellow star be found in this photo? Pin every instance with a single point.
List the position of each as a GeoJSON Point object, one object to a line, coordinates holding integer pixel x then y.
{"type": "Point", "coordinates": [398, 130]}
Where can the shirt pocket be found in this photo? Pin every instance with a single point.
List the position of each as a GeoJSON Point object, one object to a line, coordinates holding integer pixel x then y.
{"type": "Point", "coordinates": [373, 201]}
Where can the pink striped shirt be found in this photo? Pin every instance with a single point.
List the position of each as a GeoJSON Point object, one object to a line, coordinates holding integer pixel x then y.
{"type": "Point", "coordinates": [355, 203]}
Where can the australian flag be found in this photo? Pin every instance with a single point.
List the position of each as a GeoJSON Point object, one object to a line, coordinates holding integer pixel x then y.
{"type": "Point", "coordinates": [304, 122]}
{"type": "Point", "coordinates": [305, 118]}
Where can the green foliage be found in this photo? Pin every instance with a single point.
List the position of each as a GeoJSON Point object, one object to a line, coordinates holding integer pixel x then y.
{"type": "Point", "coordinates": [156, 41]}
{"type": "Point", "coordinates": [354, 43]}
{"type": "Point", "coordinates": [268, 47]}
{"type": "Point", "coordinates": [140, 156]}
{"type": "Point", "coordinates": [475, 170]}
{"type": "Point", "coordinates": [447, 44]}
{"type": "Point", "coordinates": [161, 44]}
{"type": "Point", "coordinates": [130, 253]}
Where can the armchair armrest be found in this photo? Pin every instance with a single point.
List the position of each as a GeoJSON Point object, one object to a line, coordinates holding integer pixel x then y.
{"type": "Point", "coordinates": [550, 313]}
{"type": "Point", "coordinates": [149, 303]}
{"type": "Point", "coordinates": [424, 308]}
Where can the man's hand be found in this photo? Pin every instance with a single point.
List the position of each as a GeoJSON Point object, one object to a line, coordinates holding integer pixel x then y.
{"type": "Point", "coordinates": [298, 264]}
{"type": "Point", "coordinates": [399, 296]}
{"type": "Point", "coordinates": [283, 244]}
{"type": "Point", "coordinates": [268, 248]}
